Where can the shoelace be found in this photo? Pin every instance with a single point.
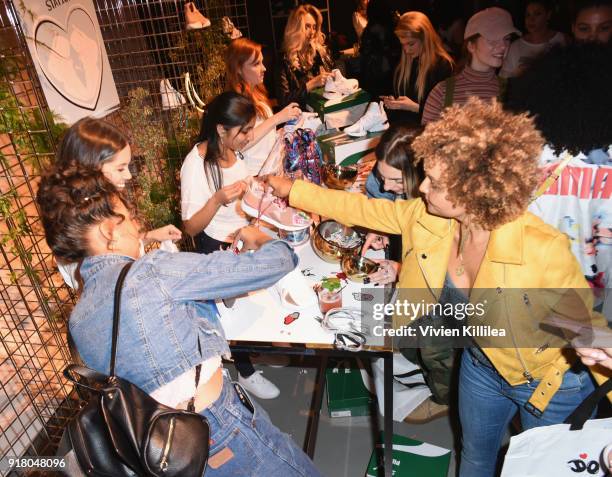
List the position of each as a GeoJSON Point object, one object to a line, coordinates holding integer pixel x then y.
{"type": "Point", "coordinates": [280, 203]}
{"type": "Point", "coordinates": [302, 152]}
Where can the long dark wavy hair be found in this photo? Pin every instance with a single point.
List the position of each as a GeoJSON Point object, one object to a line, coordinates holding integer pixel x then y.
{"type": "Point", "coordinates": [229, 110]}
{"type": "Point", "coordinates": [89, 143]}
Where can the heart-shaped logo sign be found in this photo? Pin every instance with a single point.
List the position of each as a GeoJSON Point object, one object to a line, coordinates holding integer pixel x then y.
{"type": "Point", "coordinates": [70, 57]}
{"type": "Point", "coordinates": [583, 456]}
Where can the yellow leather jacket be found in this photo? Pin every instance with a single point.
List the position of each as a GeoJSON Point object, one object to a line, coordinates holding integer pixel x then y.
{"type": "Point", "coordinates": [525, 254]}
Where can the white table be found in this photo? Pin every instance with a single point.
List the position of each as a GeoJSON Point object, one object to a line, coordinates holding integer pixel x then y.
{"type": "Point", "coordinates": [256, 320]}
{"type": "Point", "coordinates": [259, 316]}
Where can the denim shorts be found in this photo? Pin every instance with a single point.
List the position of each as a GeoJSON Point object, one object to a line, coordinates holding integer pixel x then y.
{"type": "Point", "coordinates": [245, 443]}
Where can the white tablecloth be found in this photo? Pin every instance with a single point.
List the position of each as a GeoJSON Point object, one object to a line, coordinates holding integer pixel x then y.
{"type": "Point", "coordinates": [259, 316]}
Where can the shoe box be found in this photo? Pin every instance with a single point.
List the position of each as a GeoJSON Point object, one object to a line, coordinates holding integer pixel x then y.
{"type": "Point", "coordinates": [342, 149]}
{"type": "Point", "coordinates": [337, 113]}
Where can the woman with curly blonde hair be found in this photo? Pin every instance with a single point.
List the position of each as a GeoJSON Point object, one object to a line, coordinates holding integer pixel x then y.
{"type": "Point", "coordinates": [470, 236]}
{"type": "Point", "coordinates": [424, 62]}
{"type": "Point", "coordinates": [306, 63]}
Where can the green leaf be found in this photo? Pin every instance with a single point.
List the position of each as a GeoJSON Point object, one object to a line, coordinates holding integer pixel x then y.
{"type": "Point", "coordinates": [331, 283]}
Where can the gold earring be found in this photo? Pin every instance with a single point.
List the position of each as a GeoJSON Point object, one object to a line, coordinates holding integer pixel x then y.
{"type": "Point", "coordinates": [112, 244]}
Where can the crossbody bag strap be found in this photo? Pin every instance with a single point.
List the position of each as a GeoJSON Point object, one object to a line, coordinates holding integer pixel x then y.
{"type": "Point", "coordinates": [449, 93]}
{"type": "Point", "coordinates": [503, 88]}
{"type": "Point", "coordinates": [582, 413]}
{"type": "Point", "coordinates": [191, 403]}
{"type": "Point", "coordinates": [116, 310]}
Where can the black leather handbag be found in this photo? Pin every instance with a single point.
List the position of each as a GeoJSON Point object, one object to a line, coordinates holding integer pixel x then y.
{"type": "Point", "coordinates": [123, 431]}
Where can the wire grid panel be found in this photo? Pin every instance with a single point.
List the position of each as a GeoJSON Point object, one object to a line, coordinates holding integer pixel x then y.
{"type": "Point", "coordinates": [35, 399]}
{"type": "Point", "coordinates": [236, 10]}
{"type": "Point", "coordinates": [143, 41]}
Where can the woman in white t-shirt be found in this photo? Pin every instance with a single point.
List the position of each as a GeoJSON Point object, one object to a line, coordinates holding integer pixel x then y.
{"type": "Point", "coordinates": [213, 178]}
{"type": "Point", "coordinates": [538, 39]}
{"type": "Point", "coordinates": [245, 74]}
{"type": "Point", "coordinates": [98, 145]}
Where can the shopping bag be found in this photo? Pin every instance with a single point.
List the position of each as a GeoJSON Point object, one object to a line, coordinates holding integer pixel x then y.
{"type": "Point", "coordinates": [570, 449]}
{"type": "Point", "coordinates": [273, 165]}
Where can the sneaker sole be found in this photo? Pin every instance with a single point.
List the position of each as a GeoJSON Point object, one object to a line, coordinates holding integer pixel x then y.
{"type": "Point", "coordinates": [379, 127]}
{"type": "Point", "coordinates": [425, 420]}
{"type": "Point", "coordinates": [253, 213]}
{"type": "Point", "coordinates": [354, 134]}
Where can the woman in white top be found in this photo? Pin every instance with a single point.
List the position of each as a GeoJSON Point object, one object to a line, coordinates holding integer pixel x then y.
{"type": "Point", "coordinates": [213, 178]}
{"type": "Point", "coordinates": [245, 74]}
{"type": "Point", "coordinates": [93, 144]}
{"type": "Point", "coordinates": [538, 39]}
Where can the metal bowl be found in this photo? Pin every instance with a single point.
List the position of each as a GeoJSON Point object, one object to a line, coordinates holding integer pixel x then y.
{"type": "Point", "coordinates": [328, 250]}
{"type": "Point", "coordinates": [356, 267]}
{"type": "Point", "coordinates": [296, 237]}
{"type": "Point", "coordinates": [339, 177]}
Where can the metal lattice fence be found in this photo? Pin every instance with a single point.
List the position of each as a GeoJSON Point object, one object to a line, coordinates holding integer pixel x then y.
{"type": "Point", "coordinates": [146, 43]}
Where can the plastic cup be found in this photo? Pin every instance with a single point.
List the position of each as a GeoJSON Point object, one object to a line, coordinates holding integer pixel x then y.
{"type": "Point", "coordinates": [329, 299]}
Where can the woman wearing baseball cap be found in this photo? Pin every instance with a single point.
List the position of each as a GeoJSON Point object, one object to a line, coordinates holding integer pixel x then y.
{"type": "Point", "coordinates": [486, 40]}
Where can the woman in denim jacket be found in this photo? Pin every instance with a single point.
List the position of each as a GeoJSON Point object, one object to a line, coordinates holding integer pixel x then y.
{"type": "Point", "coordinates": [167, 325]}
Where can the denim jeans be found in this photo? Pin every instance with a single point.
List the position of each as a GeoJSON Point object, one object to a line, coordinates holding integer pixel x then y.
{"type": "Point", "coordinates": [487, 404]}
{"type": "Point", "coordinates": [256, 447]}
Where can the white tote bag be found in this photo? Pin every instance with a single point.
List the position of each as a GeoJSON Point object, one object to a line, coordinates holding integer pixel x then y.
{"type": "Point", "coordinates": [571, 449]}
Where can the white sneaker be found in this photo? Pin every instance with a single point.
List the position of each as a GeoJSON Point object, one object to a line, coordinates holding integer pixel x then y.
{"type": "Point", "coordinates": [194, 20]}
{"type": "Point", "coordinates": [337, 86]}
{"type": "Point", "coordinates": [170, 97]}
{"type": "Point", "coordinates": [259, 386]}
{"type": "Point", "coordinates": [311, 121]}
{"type": "Point", "coordinates": [374, 120]}
{"type": "Point", "coordinates": [229, 29]}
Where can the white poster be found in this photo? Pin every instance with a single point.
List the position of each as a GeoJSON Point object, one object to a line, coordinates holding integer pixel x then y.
{"type": "Point", "coordinates": [66, 45]}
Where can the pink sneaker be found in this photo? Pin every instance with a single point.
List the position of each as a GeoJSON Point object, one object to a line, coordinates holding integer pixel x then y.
{"type": "Point", "coordinates": [273, 210]}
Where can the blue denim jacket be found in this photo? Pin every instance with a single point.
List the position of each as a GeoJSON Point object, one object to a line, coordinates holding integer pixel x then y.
{"type": "Point", "coordinates": [166, 326]}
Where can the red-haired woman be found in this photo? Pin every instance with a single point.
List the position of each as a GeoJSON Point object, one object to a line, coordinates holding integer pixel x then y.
{"type": "Point", "coordinates": [245, 74]}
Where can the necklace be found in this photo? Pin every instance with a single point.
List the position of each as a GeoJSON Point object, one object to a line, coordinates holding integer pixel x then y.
{"type": "Point", "coordinates": [465, 234]}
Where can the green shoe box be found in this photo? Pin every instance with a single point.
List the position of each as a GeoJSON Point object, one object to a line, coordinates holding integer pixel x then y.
{"type": "Point", "coordinates": [340, 148]}
{"type": "Point", "coordinates": [347, 396]}
{"type": "Point", "coordinates": [338, 113]}
{"type": "Point", "coordinates": [411, 458]}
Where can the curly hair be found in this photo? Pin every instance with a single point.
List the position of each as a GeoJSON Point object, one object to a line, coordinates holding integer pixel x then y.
{"type": "Point", "coordinates": [71, 201]}
{"type": "Point", "coordinates": [566, 92]}
{"type": "Point", "coordinates": [489, 159]}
